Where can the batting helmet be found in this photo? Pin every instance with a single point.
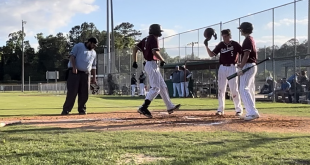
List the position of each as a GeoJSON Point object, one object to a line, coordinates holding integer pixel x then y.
{"type": "Point", "coordinates": [208, 33]}
{"type": "Point", "coordinates": [246, 27]}
{"type": "Point", "coordinates": [155, 29]}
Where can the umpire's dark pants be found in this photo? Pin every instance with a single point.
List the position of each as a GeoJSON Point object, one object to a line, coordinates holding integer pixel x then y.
{"type": "Point", "coordinates": [77, 84]}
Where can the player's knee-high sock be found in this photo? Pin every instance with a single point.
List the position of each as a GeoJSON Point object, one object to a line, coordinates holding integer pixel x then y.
{"type": "Point", "coordinates": [146, 103]}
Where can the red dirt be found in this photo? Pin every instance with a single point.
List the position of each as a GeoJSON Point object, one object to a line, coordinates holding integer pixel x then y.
{"type": "Point", "coordinates": [179, 121]}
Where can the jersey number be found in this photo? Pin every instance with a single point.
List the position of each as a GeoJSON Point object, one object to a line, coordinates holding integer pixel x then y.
{"type": "Point", "coordinates": [232, 53]}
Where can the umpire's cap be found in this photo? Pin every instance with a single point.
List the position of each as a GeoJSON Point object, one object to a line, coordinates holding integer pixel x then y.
{"type": "Point", "coordinates": [93, 40]}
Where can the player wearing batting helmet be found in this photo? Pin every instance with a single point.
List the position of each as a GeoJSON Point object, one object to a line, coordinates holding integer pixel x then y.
{"type": "Point", "coordinates": [229, 52]}
{"type": "Point", "coordinates": [247, 79]}
{"type": "Point", "coordinates": [150, 48]}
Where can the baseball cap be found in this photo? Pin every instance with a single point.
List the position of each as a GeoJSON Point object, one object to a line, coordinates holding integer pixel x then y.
{"type": "Point", "coordinates": [93, 40]}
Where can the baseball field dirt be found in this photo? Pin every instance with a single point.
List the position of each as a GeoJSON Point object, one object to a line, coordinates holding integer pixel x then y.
{"type": "Point", "coordinates": [179, 121]}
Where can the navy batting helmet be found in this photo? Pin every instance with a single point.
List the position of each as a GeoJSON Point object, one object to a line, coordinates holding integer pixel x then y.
{"type": "Point", "coordinates": [155, 29]}
{"type": "Point", "coordinates": [209, 32]}
{"type": "Point", "coordinates": [246, 27]}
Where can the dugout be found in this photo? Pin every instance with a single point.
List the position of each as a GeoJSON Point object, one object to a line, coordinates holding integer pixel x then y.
{"type": "Point", "coordinates": [195, 87]}
{"type": "Point", "coordinates": [305, 63]}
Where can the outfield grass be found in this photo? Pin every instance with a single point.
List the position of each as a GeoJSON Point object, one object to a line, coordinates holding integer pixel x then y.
{"type": "Point", "coordinates": [47, 145]}
{"type": "Point", "coordinates": [28, 104]}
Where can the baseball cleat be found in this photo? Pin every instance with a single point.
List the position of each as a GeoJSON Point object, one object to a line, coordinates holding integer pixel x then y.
{"type": "Point", "coordinates": [251, 117]}
{"type": "Point", "coordinates": [82, 113]}
{"type": "Point", "coordinates": [219, 113]}
{"type": "Point", "coordinates": [177, 107]}
{"type": "Point", "coordinates": [238, 114]}
{"type": "Point", "coordinates": [64, 113]}
{"type": "Point", "coordinates": [145, 112]}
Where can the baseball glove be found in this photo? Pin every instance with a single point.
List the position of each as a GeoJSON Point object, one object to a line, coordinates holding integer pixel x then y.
{"type": "Point", "coordinates": [94, 88]}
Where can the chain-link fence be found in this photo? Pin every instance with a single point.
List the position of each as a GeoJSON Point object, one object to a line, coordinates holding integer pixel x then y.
{"type": "Point", "coordinates": [279, 32]}
{"type": "Point", "coordinates": [115, 73]}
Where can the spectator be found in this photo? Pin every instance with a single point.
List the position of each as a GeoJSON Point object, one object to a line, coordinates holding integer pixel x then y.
{"type": "Point", "coordinates": [175, 78]}
{"type": "Point", "coordinates": [133, 85]}
{"type": "Point", "coordinates": [285, 87]}
{"type": "Point", "coordinates": [185, 74]}
{"type": "Point", "coordinates": [290, 79]}
{"type": "Point", "coordinates": [303, 79]}
{"type": "Point", "coordinates": [291, 93]}
{"type": "Point", "coordinates": [267, 88]}
{"type": "Point", "coordinates": [142, 85]}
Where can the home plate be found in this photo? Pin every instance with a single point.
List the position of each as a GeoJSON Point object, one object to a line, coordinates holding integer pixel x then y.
{"type": "Point", "coordinates": [191, 117]}
{"type": "Point", "coordinates": [202, 124]}
{"type": "Point", "coordinates": [163, 113]}
{"type": "Point", "coordinates": [3, 124]}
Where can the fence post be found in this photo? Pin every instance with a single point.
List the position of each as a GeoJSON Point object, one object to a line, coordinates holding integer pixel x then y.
{"type": "Point", "coordinates": [265, 68]}
{"type": "Point", "coordinates": [239, 32]}
{"type": "Point", "coordinates": [221, 28]}
{"type": "Point", "coordinates": [308, 27]}
{"type": "Point", "coordinates": [198, 44]}
{"type": "Point", "coordinates": [295, 53]}
{"type": "Point", "coordinates": [163, 42]}
{"type": "Point", "coordinates": [56, 80]}
{"type": "Point", "coordinates": [273, 60]}
{"type": "Point", "coordinates": [179, 47]}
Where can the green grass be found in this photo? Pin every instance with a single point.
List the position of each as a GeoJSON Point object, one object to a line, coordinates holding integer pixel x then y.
{"type": "Point", "coordinates": [20, 145]}
{"type": "Point", "coordinates": [47, 145]}
{"type": "Point", "coordinates": [28, 104]}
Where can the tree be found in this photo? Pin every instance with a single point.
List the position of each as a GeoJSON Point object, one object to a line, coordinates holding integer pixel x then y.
{"type": "Point", "coordinates": [125, 38]}
{"type": "Point", "coordinates": [12, 56]}
{"type": "Point", "coordinates": [125, 35]}
{"type": "Point", "coordinates": [52, 52]}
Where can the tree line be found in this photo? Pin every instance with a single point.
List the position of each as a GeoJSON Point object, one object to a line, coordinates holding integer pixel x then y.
{"type": "Point", "coordinates": [53, 50]}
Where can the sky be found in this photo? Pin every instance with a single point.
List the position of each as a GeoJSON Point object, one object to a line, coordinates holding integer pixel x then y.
{"type": "Point", "coordinates": [175, 16]}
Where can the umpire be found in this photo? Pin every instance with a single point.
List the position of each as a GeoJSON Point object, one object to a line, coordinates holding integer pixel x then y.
{"type": "Point", "coordinates": [82, 62]}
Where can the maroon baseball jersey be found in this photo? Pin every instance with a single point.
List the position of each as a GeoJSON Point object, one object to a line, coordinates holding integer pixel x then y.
{"type": "Point", "coordinates": [249, 46]}
{"type": "Point", "coordinates": [146, 46]}
{"type": "Point", "coordinates": [228, 52]}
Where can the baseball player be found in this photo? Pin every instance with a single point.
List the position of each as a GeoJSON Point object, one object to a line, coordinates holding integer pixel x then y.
{"type": "Point", "coordinates": [175, 78]}
{"type": "Point", "coordinates": [229, 52]}
{"type": "Point", "coordinates": [141, 84]}
{"type": "Point", "coordinates": [185, 74]}
{"type": "Point", "coordinates": [247, 79]}
{"type": "Point", "coordinates": [133, 85]}
{"type": "Point", "coordinates": [150, 48]}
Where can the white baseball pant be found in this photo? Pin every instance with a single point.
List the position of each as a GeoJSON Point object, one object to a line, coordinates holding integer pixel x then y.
{"type": "Point", "coordinates": [223, 73]}
{"type": "Point", "coordinates": [176, 88]}
{"type": "Point", "coordinates": [186, 88]}
{"type": "Point", "coordinates": [157, 83]}
{"type": "Point", "coordinates": [247, 89]}
{"type": "Point", "coordinates": [133, 90]}
{"type": "Point", "coordinates": [142, 89]}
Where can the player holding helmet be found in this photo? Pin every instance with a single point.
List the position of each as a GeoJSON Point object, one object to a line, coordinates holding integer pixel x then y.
{"type": "Point", "coordinates": [150, 48]}
{"type": "Point", "coordinates": [229, 52]}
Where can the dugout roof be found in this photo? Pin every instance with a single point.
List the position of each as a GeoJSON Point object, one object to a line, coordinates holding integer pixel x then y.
{"type": "Point", "coordinates": [195, 65]}
{"type": "Point", "coordinates": [299, 62]}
